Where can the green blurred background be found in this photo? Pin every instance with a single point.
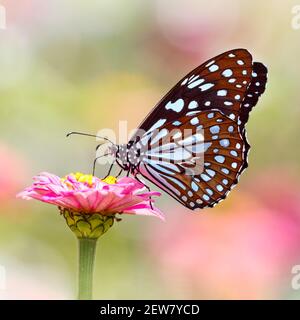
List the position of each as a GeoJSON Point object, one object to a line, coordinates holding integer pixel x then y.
{"type": "Point", "coordinates": [85, 65]}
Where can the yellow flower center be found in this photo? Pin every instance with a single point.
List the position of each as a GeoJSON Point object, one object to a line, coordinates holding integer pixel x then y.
{"type": "Point", "coordinates": [86, 178]}
{"type": "Point", "coordinates": [80, 177]}
{"type": "Point", "coordinates": [110, 180]}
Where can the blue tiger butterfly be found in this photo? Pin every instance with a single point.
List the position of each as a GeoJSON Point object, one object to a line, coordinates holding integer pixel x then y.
{"type": "Point", "coordinates": [214, 99]}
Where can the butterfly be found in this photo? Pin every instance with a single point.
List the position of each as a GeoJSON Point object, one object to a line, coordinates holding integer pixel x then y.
{"type": "Point", "coordinates": [193, 144]}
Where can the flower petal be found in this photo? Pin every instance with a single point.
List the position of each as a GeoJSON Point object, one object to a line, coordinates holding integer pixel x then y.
{"type": "Point", "coordinates": [145, 209]}
{"type": "Point", "coordinates": [87, 194]}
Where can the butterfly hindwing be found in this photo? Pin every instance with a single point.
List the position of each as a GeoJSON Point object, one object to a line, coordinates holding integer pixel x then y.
{"type": "Point", "coordinates": [197, 169]}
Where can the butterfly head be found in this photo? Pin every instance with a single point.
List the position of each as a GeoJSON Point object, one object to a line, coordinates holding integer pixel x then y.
{"type": "Point", "coordinates": [119, 152]}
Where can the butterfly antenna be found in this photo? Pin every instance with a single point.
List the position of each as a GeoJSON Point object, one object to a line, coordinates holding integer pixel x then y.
{"type": "Point", "coordinates": [89, 135]}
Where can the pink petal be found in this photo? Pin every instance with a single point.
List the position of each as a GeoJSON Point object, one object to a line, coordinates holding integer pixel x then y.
{"type": "Point", "coordinates": [124, 196]}
{"type": "Point", "coordinates": [145, 209]}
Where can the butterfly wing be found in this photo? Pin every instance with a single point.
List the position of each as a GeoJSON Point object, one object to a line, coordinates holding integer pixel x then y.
{"type": "Point", "coordinates": [198, 168]}
{"type": "Point", "coordinates": [219, 83]}
{"type": "Point", "coordinates": [255, 90]}
{"type": "Point", "coordinates": [227, 86]}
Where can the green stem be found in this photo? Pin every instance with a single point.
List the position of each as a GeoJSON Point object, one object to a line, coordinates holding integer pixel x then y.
{"type": "Point", "coordinates": [87, 250]}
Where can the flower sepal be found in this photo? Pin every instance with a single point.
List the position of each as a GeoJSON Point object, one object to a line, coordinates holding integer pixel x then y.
{"type": "Point", "coordinates": [89, 226]}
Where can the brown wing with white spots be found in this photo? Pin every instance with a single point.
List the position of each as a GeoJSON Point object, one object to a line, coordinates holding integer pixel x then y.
{"type": "Point", "coordinates": [216, 96]}
{"type": "Point", "coordinates": [219, 83]}
{"type": "Point", "coordinates": [196, 159]}
{"type": "Point", "coordinates": [255, 90]}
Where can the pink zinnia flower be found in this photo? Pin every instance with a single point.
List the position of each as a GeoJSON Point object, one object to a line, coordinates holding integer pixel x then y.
{"type": "Point", "coordinates": [90, 204]}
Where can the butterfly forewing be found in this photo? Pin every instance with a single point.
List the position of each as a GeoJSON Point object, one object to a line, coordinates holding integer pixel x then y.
{"type": "Point", "coordinates": [220, 83]}
{"type": "Point", "coordinates": [255, 90]}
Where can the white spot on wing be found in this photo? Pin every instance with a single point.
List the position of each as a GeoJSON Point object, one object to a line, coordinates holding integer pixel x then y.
{"type": "Point", "coordinates": [224, 143]}
{"type": "Point", "coordinates": [225, 170]}
{"type": "Point", "coordinates": [194, 121]}
{"type": "Point", "coordinates": [195, 83]}
{"type": "Point", "coordinates": [227, 73]}
{"type": "Point", "coordinates": [205, 177]}
{"type": "Point", "coordinates": [176, 123]}
{"type": "Point", "coordinates": [210, 63]}
{"type": "Point", "coordinates": [176, 106]}
{"type": "Point", "coordinates": [213, 68]}
{"type": "Point", "coordinates": [220, 159]}
{"type": "Point", "coordinates": [184, 81]}
{"type": "Point", "coordinates": [211, 172]}
{"type": "Point", "coordinates": [209, 191]}
{"type": "Point", "coordinates": [206, 86]}
{"type": "Point", "coordinates": [214, 129]}
{"type": "Point", "coordinates": [220, 188]}
{"type": "Point", "coordinates": [222, 93]}
{"type": "Point", "coordinates": [191, 113]}
{"type": "Point", "coordinates": [193, 105]}
{"type": "Point", "coordinates": [194, 186]}
{"type": "Point", "coordinates": [157, 124]}
{"type": "Point", "coordinates": [205, 197]}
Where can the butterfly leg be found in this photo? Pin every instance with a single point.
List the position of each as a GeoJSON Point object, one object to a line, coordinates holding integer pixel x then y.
{"type": "Point", "coordinates": [118, 175]}
{"type": "Point", "coordinates": [109, 171]}
{"type": "Point", "coordinates": [147, 187]}
{"type": "Point", "coordinates": [94, 165]}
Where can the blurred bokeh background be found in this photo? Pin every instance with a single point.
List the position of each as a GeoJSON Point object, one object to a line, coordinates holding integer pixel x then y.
{"type": "Point", "coordinates": [85, 65]}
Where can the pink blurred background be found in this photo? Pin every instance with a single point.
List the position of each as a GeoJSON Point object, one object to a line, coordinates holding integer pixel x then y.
{"type": "Point", "coordinates": [78, 65]}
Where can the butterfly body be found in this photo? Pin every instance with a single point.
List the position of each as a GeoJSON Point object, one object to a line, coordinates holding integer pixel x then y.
{"type": "Point", "coordinates": [193, 144]}
{"type": "Point", "coordinates": [128, 156]}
